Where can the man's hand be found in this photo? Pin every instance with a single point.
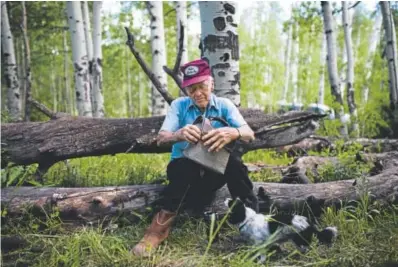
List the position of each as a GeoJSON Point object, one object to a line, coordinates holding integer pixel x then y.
{"type": "Point", "coordinates": [190, 133]}
{"type": "Point", "coordinates": [218, 138]}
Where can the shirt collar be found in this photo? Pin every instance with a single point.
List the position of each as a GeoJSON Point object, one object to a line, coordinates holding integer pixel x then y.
{"type": "Point", "coordinates": [212, 102]}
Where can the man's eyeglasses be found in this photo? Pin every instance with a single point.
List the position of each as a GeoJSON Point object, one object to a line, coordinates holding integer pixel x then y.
{"type": "Point", "coordinates": [203, 87]}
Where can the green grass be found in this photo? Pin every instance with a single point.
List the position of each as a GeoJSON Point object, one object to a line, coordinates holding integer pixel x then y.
{"type": "Point", "coordinates": [368, 233]}
{"type": "Point", "coordinates": [366, 237]}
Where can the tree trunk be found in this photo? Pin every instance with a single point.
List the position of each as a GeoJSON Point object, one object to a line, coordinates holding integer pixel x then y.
{"type": "Point", "coordinates": [350, 68]}
{"type": "Point", "coordinates": [53, 86]}
{"type": "Point", "coordinates": [70, 137]}
{"type": "Point", "coordinates": [373, 43]}
{"type": "Point", "coordinates": [98, 98]}
{"type": "Point", "coordinates": [220, 46]}
{"type": "Point", "coordinates": [343, 71]}
{"type": "Point", "coordinates": [287, 61]}
{"type": "Point", "coordinates": [332, 63]}
{"type": "Point", "coordinates": [391, 56]}
{"type": "Point", "coordinates": [68, 93]}
{"type": "Point", "coordinates": [89, 48]}
{"type": "Point", "coordinates": [158, 47]}
{"type": "Point", "coordinates": [295, 63]}
{"type": "Point", "coordinates": [130, 101]}
{"type": "Point", "coordinates": [321, 92]}
{"type": "Point", "coordinates": [80, 62]}
{"type": "Point", "coordinates": [28, 78]}
{"type": "Point", "coordinates": [98, 202]}
{"type": "Point", "coordinates": [181, 15]}
{"type": "Point", "coordinates": [14, 103]}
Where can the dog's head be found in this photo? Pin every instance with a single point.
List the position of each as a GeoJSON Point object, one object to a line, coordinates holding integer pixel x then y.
{"type": "Point", "coordinates": [237, 213]}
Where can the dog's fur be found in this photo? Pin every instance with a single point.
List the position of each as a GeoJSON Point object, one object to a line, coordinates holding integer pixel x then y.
{"type": "Point", "coordinates": [257, 228]}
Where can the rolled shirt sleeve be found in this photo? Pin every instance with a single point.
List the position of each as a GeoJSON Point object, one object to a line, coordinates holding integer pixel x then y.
{"type": "Point", "coordinates": [232, 114]}
{"type": "Point", "coordinates": [172, 123]}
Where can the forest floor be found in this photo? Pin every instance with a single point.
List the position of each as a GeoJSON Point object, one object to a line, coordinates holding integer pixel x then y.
{"type": "Point", "coordinates": [368, 234]}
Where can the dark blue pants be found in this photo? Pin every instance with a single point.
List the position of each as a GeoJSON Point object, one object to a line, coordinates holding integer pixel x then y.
{"type": "Point", "coordinates": [192, 187]}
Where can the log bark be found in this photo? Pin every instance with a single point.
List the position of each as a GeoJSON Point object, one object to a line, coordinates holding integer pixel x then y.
{"type": "Point", "coordinates": [98, 202]}
{"type": "Point", "coordinates": [72, 137]}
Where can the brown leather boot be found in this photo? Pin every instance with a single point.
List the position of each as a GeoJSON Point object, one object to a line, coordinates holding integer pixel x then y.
{"type": "Point", "coordinates": [155, 234]}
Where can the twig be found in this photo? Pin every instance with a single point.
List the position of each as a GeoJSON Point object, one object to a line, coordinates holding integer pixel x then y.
{"type": "Point", "coordinates": [341, 9]}
{"type": "Point", "coordinates": [176, 69]}
{"type": "Point", "coordinates": [52, 115]}
{"type": "Point", "coordinates": [43, 108]}
{"type": "Point", "coordinates": [161, 88]}
{"type": "Point", "coordinates": [180, 49]}
{"type": "Point", "coordinates": [174, 9]}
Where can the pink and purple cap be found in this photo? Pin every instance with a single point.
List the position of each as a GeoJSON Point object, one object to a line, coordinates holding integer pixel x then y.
{"type": "Point", "coordinates": [195, 72]}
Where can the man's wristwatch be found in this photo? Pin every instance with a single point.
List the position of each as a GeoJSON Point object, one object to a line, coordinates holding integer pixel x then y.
{"type": "Point", "coordinates": [240, 135]}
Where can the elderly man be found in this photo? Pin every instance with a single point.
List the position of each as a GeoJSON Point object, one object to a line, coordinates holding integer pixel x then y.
{"type": "Point", "coordinates": [189, 183]}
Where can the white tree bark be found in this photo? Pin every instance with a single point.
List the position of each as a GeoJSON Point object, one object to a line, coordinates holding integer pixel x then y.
{"type": "Point", "coordinates": [391, 53]}
{"type": "Point", "coordinates": [373, 43]}
{"type": "Point", "coordinates": [287, 61]}
{"type": "Point", "coordinates": [332, 63]}
{"type": "Point", "coordinates": [98, 98]}
{"type": "Point", "coordinates": [158, 47]}
{"type": "Point", "coordinates": [308, 64]}
{"type": "Point", "coordinates": [53, 86]}
{"type": "Point", "coordinates": [295, 62]}
{"type": "Point", "coordinates": [14, 99]}
{"type": "Point", "coordinates": [80, 59]}
{"type": "Point", "coordinates": [220, 46]}
{"type": "Point", "coordinates": [321, 92]}
{"type": "Point", "coordinates": [181, 15]}
{"type": "Point", "coordinates": [130, 106]}
{"type": "Point", "coordinates": [347, 24]}
{"type": "Point", "coordinates": [89, 47]}
{"type": "Point", "coordinates": [28, 77]}
{"type": "Point", "coordinates": [69, 94]}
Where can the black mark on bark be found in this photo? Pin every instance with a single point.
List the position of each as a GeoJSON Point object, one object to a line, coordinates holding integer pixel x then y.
{"type": "Point", "coordinates": [219, 23]}
{"type": "Point", "coordinates": [214, 42]}
{"type": "Point", "coordinates": [229, 8]}
{"type": "Point", "coordinates": [225, 57]}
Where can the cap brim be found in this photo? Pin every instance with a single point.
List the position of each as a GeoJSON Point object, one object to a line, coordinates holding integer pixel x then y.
{"type": "Point", "coordinates": [194, 80]}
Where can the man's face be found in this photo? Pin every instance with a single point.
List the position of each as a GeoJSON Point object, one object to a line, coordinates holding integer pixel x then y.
{"type": "Point", "coordinates": [200, 92]}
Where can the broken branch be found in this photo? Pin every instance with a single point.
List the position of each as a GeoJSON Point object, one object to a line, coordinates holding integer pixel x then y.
{"type": "Point", "coordinates": [160, 87]}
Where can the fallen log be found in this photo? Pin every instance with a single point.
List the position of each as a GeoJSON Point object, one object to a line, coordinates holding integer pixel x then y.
{"type": "Point", "coordinates": [312, 143]}
{"type": "Point", "coordinates": [374, 145]}
{"type": "Point", "coordinates": [308, 165]}
{"type": "Point", "coordinates": [317, 144]}
{"type": "Point", "coordinates": [72, 137]}
{"type": "Point", "coordinates": [98, 202]}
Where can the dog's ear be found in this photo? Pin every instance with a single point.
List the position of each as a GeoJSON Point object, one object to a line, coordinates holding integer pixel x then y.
{"type": "Point", "coordinates": [228, 202]}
